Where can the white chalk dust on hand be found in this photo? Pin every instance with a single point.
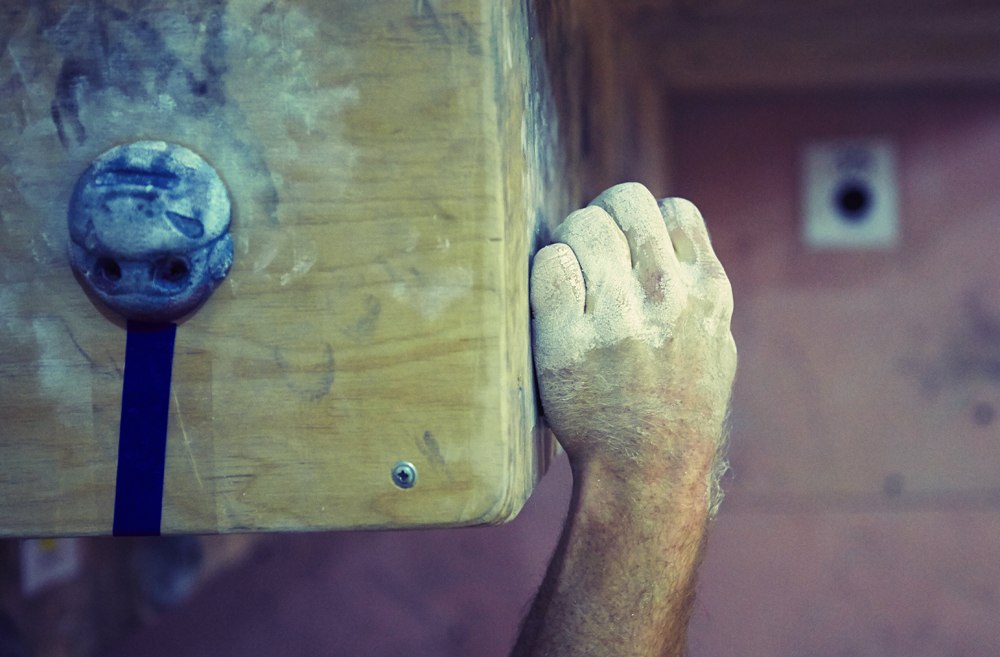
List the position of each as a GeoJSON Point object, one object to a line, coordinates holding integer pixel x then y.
{"type": "Point", "coordinates": [635, 283]}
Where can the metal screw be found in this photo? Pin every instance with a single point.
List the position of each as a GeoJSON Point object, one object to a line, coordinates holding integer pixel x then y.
{"type": "Point", "coordinates": [404, 474]}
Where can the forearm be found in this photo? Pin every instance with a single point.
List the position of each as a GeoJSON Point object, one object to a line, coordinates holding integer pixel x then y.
{"type": "Point", "coordinates": [635, 361]}
{"type": "Point", "coordinates": [623, 578]}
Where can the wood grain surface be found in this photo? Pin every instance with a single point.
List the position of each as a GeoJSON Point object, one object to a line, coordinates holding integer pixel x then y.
{"type": "Point", "coordinates": [392, 167]}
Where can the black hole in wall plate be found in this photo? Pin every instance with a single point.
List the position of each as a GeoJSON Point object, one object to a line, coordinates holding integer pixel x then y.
{"type": "Point", "coordinates": [853, 200]}
{"type": "Point", "coordinates": [108, 269]}
{"type": "Point", "coordinates": [171, 272]}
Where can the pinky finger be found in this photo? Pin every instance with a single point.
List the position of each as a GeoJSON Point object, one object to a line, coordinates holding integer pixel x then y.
{"type": "Point", "coordinates": [689, 235]}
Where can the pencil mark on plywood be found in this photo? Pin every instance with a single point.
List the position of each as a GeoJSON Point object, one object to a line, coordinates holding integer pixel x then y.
{"type": "Point", "coordinates": [431, 450]}
{"type": "Point", "coordinates": [311, 380]}
{"type": "Point", "coordinates": [367, 323]}
{"type": "Point", "coordinates": [450, 28]}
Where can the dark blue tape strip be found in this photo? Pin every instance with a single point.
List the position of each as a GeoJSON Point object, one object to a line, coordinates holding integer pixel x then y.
{"type": "Point", "coordinates": [142, 436]}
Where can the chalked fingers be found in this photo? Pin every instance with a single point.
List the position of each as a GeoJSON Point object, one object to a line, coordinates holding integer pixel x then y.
{"type": "Point", "coordinates": [693, 246]}
{"type": "Point", "coordinates": [652, 254]}
{"type": "Point", "coordinates": [603, 254]}
{"type": "Point", "coordinates": [689, 235]}
{"type": "Point", "coordinates": [557, 289]}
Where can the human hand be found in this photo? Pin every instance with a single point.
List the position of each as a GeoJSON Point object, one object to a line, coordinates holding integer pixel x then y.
{"type": "Point", "coordinates": [633, 349]}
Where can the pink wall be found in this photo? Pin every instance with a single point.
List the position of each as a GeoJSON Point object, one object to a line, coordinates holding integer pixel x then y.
{"type": "Point", "coordinates": [863, 515]}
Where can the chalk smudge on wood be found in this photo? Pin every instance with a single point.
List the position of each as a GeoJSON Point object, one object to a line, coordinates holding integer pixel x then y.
{"type": "Point", "coordinates": [432, 293]}
{"type": "Point", "coordinates": [213, 75]}
{"type": "Point", "coordinates": [146, 56]}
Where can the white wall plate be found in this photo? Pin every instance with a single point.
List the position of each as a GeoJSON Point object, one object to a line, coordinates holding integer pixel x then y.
{"type": "Point", "coordinates": [850, 195]}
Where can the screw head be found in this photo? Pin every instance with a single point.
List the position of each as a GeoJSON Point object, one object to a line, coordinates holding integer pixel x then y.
{"type": "Point", "coordinates": [404, 474]}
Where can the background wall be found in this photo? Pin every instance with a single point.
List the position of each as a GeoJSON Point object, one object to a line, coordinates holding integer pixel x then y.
{"type": "Point", "coordinates": [862, 517]}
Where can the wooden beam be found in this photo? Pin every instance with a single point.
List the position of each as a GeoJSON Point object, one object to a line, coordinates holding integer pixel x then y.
{"type": "Point", "coordinates": [742, 10]}
{"type": "Point", "coordinates": [816, 48]}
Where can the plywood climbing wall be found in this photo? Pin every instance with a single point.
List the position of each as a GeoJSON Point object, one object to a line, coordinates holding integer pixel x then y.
{"type": "Point", "coordinates": [391, 167]}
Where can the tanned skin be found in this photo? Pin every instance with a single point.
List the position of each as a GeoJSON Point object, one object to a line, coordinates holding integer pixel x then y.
{"type": "Point", "coordinates": [642, 421]}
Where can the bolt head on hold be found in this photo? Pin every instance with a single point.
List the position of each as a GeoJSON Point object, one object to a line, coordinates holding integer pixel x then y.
{"type": "Point", "coordinates": [149, 230]}
{"type": "Point", "coordinates": [404, 474]}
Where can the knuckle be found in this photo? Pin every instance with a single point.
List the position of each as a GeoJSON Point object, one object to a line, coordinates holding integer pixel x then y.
{"type": "Point", "coordinates": [716, 294]}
